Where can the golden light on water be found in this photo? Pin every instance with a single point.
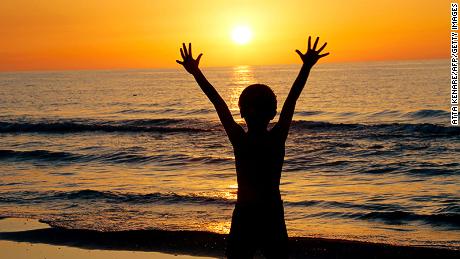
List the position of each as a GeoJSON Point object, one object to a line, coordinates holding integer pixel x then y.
{"type": "Point", "coordinates": [219, 227]}
{"type": "Point", "coordinates": [242, 76]}
{"type": "Point", "coordinates": [233, 186]}
{"type": "Point", "coordinates": [228, 195]}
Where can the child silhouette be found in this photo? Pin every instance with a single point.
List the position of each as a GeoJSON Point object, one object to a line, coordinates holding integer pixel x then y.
{"type": "Point", "coordinates": [258, 218]}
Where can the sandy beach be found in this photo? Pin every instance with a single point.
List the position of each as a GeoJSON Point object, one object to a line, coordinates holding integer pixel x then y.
{"type": "Point", "coordinates": [26, 238]}
{"type": "Point", "coordinates": [27, 248]}
{"type": "Point", "coordinates": [21, 250]}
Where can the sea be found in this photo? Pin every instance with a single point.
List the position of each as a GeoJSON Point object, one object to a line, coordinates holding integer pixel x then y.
{"type": "Point", "coordinates": [371, 154]}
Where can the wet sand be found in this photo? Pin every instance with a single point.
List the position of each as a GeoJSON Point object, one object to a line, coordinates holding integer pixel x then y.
{"type": "Point", "coordinates": [23, 238]}
{"type": "Point", "coordinates": [22, 250]}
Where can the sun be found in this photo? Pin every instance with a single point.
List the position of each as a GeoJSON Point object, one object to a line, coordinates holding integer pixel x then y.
{"type": "Point", "coordinates": [241, 34]}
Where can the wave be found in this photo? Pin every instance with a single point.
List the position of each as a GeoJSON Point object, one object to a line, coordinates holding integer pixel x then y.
{"type": "Point", "coordinates": [398, 217]}
{"type": "Point", "coordinates": [431, 171]}
{"type": "Point", "coordinates": [74, 126]}
{"type": "Point", "coordinates": [309, 113]}
{"type": "Point", "coordinates": [172, 111]}
{"type": "Point", "coordinates": [413, 115]}
{"type": "Point", "coordinates": [422, 114]}
{"type": "Point", "coordinates": [346, 205]}
{"type": "Point", "coordinates": [26, 197]}
{"type": "Point", "coordinates": [113, 157]}
{"type": "Point", "coordinates": [450, 220]}
{"type": "Point", "coordinates": [170, 197]}
{"type": "Point", "coordinates": [167, 125]}
{"type": "Point", "coordinates": [419, 169]}
{"type": "Point", "coordinates": [117, 197]}
{"type": "Point", "coordinates": [392, 129]}
{"type": "Point", "coordinates": [390, 213]}
{"type": "Point", "coordinates": [385, 115]}
{"type": "Point", "coordinates": [38, 154]}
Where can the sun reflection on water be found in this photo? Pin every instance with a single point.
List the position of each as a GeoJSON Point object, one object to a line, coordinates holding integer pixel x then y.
{"type": "Point", "coordinates": [242, 76]}
{"type": "Point", "coordinates": [227, 195]}
{"type": "Point", "coordinates": [222, 227]}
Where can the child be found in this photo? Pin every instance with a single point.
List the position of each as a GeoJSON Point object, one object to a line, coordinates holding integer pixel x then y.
{"type": "Point", "coordinates": [258, 218]}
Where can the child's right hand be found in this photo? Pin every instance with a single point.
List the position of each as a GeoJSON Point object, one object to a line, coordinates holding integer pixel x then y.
{"type": "Point", "coordinates": [312, 56]}
{"type": "Point", "coordinates": [190, 64]}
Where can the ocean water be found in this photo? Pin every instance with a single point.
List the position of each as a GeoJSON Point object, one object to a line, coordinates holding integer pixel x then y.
{"type": "Point", "coordinates": [370, 156]}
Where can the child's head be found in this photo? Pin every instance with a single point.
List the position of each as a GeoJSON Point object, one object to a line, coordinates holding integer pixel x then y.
{"type": "Point", "coordinates": [257, 104]}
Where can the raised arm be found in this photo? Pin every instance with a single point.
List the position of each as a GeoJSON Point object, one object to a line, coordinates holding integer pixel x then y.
{"type": "Point", "coordinates": [233, 129]}
{"type": "Point", "coordinates": [309, 59]}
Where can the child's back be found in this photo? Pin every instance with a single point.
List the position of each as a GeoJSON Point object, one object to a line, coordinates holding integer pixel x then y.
{"type": "Point", "coordinates": [258, 218]}
{"type": "Point", "coordinates": [259, 159]}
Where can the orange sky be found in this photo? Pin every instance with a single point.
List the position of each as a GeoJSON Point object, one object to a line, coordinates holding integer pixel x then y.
{"type": "Point", "coordinates": [104, 34]}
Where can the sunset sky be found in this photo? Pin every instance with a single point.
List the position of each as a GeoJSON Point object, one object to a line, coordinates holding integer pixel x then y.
{"type": "Point", "coordinates": [106, 34]}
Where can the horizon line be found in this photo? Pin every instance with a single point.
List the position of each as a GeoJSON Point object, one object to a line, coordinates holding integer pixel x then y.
{"type": "Point", "coordinates": [177, 67]}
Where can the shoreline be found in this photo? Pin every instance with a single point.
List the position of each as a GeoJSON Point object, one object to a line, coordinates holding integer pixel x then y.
{"type": "Point", "coordinates": [23, 250]}
{"type": "Point", "coordinates": [200, 244]}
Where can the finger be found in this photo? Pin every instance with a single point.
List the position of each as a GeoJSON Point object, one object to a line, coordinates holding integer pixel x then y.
{"type": "Point", "coordinates": [190, 48]}
{"type": "Point", "coordinates": [198, 58]}
{"type": "Point", "coordinates": [185, 49]}
{"type": "Point", "coordinates": [316, 43]}
{"type": "Point", "coordinates": [182, 54]}
{"type": "Point", "coordinates": [322, 47]}
{"type": "Point", "coordinates": [180, 62]}
{"type": "Point", "coordinates": [298, 52]}
{"type": "Point", "coordinates": [309, 42]}
{"type": "Point", "coordinates": [323, 55]}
